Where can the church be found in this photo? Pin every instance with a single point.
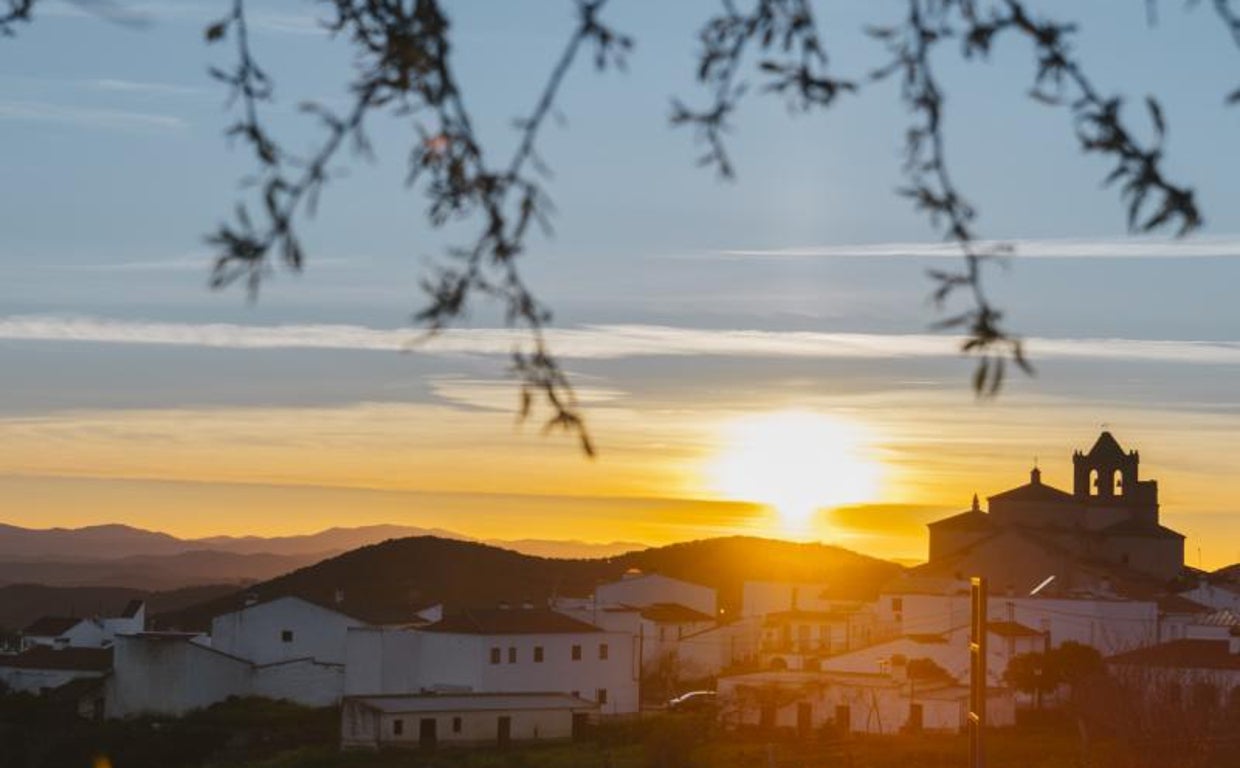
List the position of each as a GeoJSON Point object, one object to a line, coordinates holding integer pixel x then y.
{"type": "Point", "coordinates": [1103, 536]}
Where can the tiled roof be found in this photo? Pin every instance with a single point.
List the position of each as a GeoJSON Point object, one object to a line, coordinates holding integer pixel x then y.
{"type": "Point", "coordinates": [1183, 654]}
{"type": "Point", "coordinates": [515, 621]}
{"type": "Point", "coordinates": [77, 659]}
{"type": "Point", "coordinates": [1181, 604]}
{"type": "Point", "coordinates": [673, 613]}
{"type": "Point", "coordinates": [51, 626]}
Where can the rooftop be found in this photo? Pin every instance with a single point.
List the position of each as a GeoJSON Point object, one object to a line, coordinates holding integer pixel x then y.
{"type": "Point", "coordinates": [51, 626]}
{"type": "Point", "coordinates": [513, 621]}
{"type": "Point", "coordinates": [673, 613]}
{"type": "Point", "coordinates": [1182, 654]}
{"type": "Point", "coordinates": [471, 702]}
{"type": "Point", "coordinates": [75, 659]}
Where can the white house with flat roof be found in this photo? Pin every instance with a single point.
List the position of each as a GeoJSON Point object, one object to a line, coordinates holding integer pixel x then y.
{"type": "Point", "coordinates": [498, 651]}
{"type": "Point", "coordinates": [472, 719]}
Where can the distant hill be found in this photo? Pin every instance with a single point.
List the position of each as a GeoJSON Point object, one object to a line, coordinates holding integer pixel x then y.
{"type": "Point", "coordinates": [20, 604]}
{"type": "Point", "coordinates": [118, 542]}
{"type": "Point", "coordinates": [383, 581]}
{"type": "Point", "coordinates": [155, 572]}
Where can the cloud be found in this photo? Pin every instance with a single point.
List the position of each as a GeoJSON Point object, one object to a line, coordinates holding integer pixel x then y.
{"type": "Point", "coordinates": [594, 342]}
{"type": "Point", "coordinates": [135, 86]}
{"type": "Point", "coordinates": [1068, 248]}
{"type": "Point", "coordinates": [114, 119]}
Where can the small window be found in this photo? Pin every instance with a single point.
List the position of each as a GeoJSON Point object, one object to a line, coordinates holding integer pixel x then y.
{"type": "Point", "coordinates": [601, 696]}
{"type": "Point", "coordinates": [494, 655]}
{"type": "Point", "coordinates": [602, 651]}
{"type": "Point", "coordinates": [897, 604]}
{"type": "Point", "coordinates": [512, 654]}
{"type": "Point", "coordinates": [538, 654]}
{"type": "Point", "coordinates": [398, 727]}
{"type": "Point", "coordinates": [576, 653]}
{"type": "Point", "coordinates": [286, 636]}
{"type": "Point", "coordinates": [456, 725]}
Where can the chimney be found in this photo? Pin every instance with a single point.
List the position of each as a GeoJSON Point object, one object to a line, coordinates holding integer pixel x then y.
{"type": "Point", "coordinates": [339, 596]}
{"type": "Point", "coordinates": [504, 606]}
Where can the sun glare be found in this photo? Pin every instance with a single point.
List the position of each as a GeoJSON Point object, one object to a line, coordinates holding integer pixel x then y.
{"type": "Point", "coordinates": [797, 462]}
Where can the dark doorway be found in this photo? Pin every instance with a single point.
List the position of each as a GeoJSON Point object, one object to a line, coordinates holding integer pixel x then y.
{"type": "Point", "coordinates": [843, 719]}
{"type": "Point", "coordinates": [504, 734]}
{"type": "Point", "coordinates": [581, 723]}
{"type": "Point", "coordinates": [766, 717]}
{"type": "Point", "coordinates": [428, 734]}
{"type": "Point", "coordinates": [914, 718]}
{"type": "Point", "coordinates": [805, 718]}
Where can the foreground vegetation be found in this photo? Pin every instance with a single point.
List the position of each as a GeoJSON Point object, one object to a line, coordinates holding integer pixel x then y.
{"type": "Point", "coordinates": [255, 733]}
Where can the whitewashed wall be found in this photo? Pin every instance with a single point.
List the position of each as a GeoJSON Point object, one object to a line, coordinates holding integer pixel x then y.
{"type": "Point", "coordinates": [255, 632]}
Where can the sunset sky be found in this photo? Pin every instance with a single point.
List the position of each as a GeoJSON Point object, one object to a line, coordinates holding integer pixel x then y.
{"type": "Point", "coordinates": [710, 327]}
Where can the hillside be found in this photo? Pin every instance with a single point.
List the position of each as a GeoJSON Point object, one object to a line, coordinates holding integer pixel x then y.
{"type": "Point", "coordinates": [383, 581]}
{"type": "Point", "coordinates": [21, 604]}
{"type": "Point", "coordinates": [155, 572]}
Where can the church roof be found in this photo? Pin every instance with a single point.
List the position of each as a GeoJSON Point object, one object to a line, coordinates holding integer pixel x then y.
{"type": "Point", "coordinates": [972, 519]}
{"type": "Point", "coordinates": [1105, 445]}
{"type": "Point", "coordinates": [1132, 527]}
{"type": "Point", "coordinates": [1037, 492]}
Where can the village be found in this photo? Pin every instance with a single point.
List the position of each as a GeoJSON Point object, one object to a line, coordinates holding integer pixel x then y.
{"type": "Point", "coordinates": [1091, 568]}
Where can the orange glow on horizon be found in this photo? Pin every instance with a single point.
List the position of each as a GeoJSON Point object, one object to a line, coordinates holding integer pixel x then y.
{"type": "Point", "coordinates": [797, 462]}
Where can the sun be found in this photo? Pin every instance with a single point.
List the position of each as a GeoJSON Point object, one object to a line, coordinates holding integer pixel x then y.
{"type": "Point", "coordinates": [796, 462]}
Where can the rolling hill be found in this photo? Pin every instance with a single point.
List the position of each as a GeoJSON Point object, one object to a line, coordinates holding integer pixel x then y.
{"type": "Point", "coordinates": [382, 582]}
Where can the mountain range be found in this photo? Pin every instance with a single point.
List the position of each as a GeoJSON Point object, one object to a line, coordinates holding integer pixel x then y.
{"type": "Point", "coordinates": [124, 556]}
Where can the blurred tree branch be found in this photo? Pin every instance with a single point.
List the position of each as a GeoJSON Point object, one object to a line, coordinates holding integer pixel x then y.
{"type": "Point", "coordinates": [404, 67]}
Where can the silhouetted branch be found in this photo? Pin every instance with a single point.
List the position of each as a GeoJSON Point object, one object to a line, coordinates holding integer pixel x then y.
{"type": "Point", "coordinates": [15, 12]}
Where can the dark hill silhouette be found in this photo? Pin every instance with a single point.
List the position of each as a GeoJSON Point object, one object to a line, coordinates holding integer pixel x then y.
{"type": "Point", "coordinates": [20, 604]}
{"type": "Point", "coordinates": [383, 582]}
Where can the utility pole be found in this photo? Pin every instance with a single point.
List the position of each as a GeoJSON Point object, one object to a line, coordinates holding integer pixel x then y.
{"type": "Point", "coordinates": [977, 673]}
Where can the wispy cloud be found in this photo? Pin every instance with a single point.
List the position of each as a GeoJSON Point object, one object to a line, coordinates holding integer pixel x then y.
{"type": "Point", "coordinates": [115, 85]}
{"type": "Point", "coordinates": [1068, 248]}
{"type": "Point", "coordinates": [111, 119]}
{"type": "Point", "coordinates": [184, 11]}
{"type": "Point", "coordinates": [595, 342]}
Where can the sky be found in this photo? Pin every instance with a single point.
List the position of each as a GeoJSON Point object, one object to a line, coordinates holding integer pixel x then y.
{"type": "Point", "coordinates": [754, 356]}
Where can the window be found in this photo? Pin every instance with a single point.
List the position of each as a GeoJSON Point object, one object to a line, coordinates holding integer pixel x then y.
{"type": "Point", "coordinates": [897, 604]}
{"type": "Point", "coordinates": [601, 696]}
{"type": "Point", "coordinates": [602, 651]}
{"type": "Point", "coordinates": [456, 725]}
{"type": "Point", "coordinates": [398, 727]}
{"type": "Point", "coordinates": [538, 654]}
{"type": "Point", "coordinates": [286, 636]}
{"type": "Point", "coordinates": [494, 655]}
{"type": "Point", "coordinates": [512, 654]}
{"type": "Point", "coordinates": [576, 653]}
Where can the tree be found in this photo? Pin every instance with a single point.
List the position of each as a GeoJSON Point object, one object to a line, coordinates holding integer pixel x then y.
{"type": "Point", "coordinates": [403, 49]}
{"type": "Point", "coordinates": [1070, 664]}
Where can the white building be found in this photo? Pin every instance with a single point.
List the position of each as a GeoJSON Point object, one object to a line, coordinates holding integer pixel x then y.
{"type": "Point", "coordinates": [72, 632]}
{"type": "Point", "coordinates": [1110, 624]}
{"type": "Point", "coordinates": [283, 629]}
{"type": "Point", "coordinates": [852, 702]}
{"type": "Point", "coordinates": [174, 673]}
{"type": "Point", "coordinates": [498, 651]}
{"type": "Point", "coordinates": [41, 668]}
{"type": "Point", "coordinates": [948, 650]}
{"type": "Point", "coordinates": [642, 590]}
{"type": "Point", "coordinates": [426, 721]}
